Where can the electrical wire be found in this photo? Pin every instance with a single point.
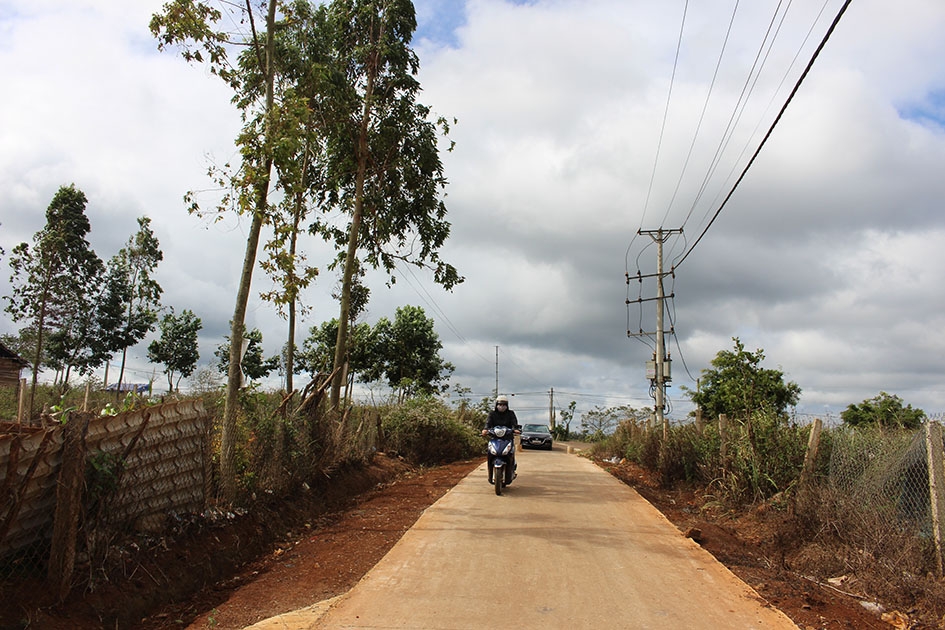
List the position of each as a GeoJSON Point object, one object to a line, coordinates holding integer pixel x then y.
{"type": "Point", "coordinates": [737, 110]}
{"type": "Point", "coordinates": [705, 107]}
{"type": "Point", "coordinates": [774, 124]}
{"type": "Point", "coordinates": [659, 143]}
{"type": "Point", "coordinates": [754, 132]}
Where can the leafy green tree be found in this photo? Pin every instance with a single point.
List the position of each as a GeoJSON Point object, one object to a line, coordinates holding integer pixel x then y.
{"type": "Point", "coordinates": [318, 351]}
{"type": "Point", "coordinates": [76, 342]}
{"type": "Point", "coordinates": [737, 385]}
{"type": "Point", "coordinates": [177, 347]}
{"type": "Point", "coordinates": [885, 410]}
{"type": "Point", "coordinates": [51, 280]}
{"type": "Point", "coordinates": [381, 162]}
{"type": "Point", "coordinates": [411, 352]}
{"type": "Point", "coordinates": [132, 297]}
{"type": "Point", "coordinates": [254, 365]}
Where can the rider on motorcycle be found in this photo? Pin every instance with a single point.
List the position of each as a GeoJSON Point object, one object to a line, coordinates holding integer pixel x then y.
{"type": "Point", "coordinates": [502, 416]}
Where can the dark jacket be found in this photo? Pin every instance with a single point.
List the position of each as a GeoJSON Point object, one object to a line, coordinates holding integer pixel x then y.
{"type": "Point", "coordinates": [502, 419]}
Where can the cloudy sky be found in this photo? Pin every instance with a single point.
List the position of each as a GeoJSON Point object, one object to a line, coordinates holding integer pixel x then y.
{"type": "Point", "coordinates": [580, 122]}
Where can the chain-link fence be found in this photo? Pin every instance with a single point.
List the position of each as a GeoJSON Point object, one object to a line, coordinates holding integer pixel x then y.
{"type": "Point", "coordinates": [884, 476]}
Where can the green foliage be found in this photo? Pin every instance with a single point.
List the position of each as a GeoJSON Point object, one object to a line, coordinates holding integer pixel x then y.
{"type": "Point", "coordinates": [883, 410]}
{"type": "Point", "coordinates": [128, 309]}
{"type": "Point", "coordinates": [763, 457]}
{"type": "Point", "coordinates": [738, 386]}
{"type": "Point", "coordinates": [318, 350]}
{"type": "Point", "coordinates": [426, 432]}
{"type": "Point", "coordinates": [411, 352]}
{"type": "Point", "coordinates": [102, 474]}
{"type": "Point", "coordinates": [678, 457]}
{"type": "Point", "coordinates": [177, 347]}
{"type": "Point", "coordinates": [406, 352]}
{"type": "Point", "coordinates": [254, 365]}
{"type": "Point", "coordinates": [53, 286]}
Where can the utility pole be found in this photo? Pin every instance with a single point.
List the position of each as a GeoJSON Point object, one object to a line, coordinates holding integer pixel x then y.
{"type": "Point", "coordinates": [551, 409]}
{"type": "Point", "coordinates": [496, 373]}
{"type": "Point", "coordinates": [660, 373]}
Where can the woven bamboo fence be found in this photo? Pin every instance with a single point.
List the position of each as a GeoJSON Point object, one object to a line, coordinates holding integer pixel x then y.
{"type": "Point", "coordinates": [126, 472]}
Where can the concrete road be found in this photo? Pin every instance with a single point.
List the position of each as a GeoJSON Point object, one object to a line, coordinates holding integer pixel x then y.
{"type": "Point", "coordinates": [566, 546]}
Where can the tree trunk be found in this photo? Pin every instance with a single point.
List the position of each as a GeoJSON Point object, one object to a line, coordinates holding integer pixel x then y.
{"type": "Point", "coordinates": [341, 341]}
{"type": "Point", "coordinates": [293, 244]}
{"type": "Point", "coordinates": [234, 374]}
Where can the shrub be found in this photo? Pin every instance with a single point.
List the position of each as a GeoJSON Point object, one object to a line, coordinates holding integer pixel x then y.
{"type": "Point", "coordinates": [425, 432]}
{"type": "Point", "coordinates": [678, 459]}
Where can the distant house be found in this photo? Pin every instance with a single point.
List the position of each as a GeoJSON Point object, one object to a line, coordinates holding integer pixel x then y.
{"type": "Point", "coordinates": [10, 366]}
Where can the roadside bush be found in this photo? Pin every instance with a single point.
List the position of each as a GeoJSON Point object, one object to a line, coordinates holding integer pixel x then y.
{"type": "Point", "coordinates": [678, 459]}
{"type": "Point", "coordinates": [426, 432]}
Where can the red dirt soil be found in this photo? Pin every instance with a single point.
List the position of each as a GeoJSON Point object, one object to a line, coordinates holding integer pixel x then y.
{"type": "Point", "coordinates": [285, 556]}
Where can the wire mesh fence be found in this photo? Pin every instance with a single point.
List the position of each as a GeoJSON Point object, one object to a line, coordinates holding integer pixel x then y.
{"type": "Point", "coordinates": [884, 475]}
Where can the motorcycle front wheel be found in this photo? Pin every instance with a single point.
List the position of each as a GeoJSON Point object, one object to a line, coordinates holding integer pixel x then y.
{"type": "Point", "coordinates": [497, 476]}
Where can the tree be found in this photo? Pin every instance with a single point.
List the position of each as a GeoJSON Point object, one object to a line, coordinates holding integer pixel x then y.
{"type": "Point", "coordinates": [737, 385]}
{"type": "Point", "coordinates": [567, 415]}
{"type": "Point", "coordinates": [192, 25]}
{"type": "Point", "coordinates": [380, 160]}
{"type": "Point", "coordinates": [411, 352]}
{"type": "Point", "coordinates": [884, 410]}
{"type": "Point", "coordinates": [253, 364]}
{"type": "Point", "coordinates": [132, 297]}
{"type": "Point", "coordinates": [364, 364]}
{"type": "Point", "coordinates": [177, 347]}
{"type": "Point", "coordinates": [51, 281]}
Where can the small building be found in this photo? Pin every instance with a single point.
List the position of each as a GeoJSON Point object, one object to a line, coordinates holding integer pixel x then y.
{"type": "Point", "coordinates": [10, 366]}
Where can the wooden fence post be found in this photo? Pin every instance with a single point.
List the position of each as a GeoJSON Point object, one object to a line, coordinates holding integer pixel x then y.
{"type": "Point", "coordinates": [68, 504]}
{"type": "Point", "coordinates": [700, 423]}
{"type": "Point", "coordinates": [810, 457]}
{"type": "Point", "coordinates": [21, 405]}
{"type": "Point", "coordinates": [723, 435]}
{"type": "Point", "coordinates": [934, 444]}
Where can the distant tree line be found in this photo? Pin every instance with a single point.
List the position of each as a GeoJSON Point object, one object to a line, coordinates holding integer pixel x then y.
{"type": "Point", "coordinates": [77, 312]}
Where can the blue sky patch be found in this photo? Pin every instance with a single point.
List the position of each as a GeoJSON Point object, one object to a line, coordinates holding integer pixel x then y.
{"type": "Point", "coordinates": [930, 110]}
{"type": "Point", "coordinates": [437, 20]}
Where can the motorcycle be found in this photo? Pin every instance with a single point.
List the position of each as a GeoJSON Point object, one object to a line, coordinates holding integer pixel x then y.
{"type": "Point", "coordinates": [501, 456]}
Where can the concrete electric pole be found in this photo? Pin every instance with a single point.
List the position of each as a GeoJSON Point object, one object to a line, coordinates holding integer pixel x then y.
{"type": "Point", "coordinates": [660, 373]}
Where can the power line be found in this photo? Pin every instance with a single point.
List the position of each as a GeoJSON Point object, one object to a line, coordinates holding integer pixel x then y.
{"type": "Point", "coordinates": [659, 143]}
{"type": "Point", "coordinates": [705, 107]}
{"type": "Point", "coordinates": [774, 124]}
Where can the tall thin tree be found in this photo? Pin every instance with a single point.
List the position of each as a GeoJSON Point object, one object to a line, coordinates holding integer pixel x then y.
{"type": "Point", "coordinates": [190, 24]}
{"type": "Point", "coordinates": [51, 279]}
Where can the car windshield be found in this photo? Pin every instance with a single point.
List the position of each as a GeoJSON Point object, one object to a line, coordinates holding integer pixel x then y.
{"type": "Point", "coordinates": [536, 428]}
